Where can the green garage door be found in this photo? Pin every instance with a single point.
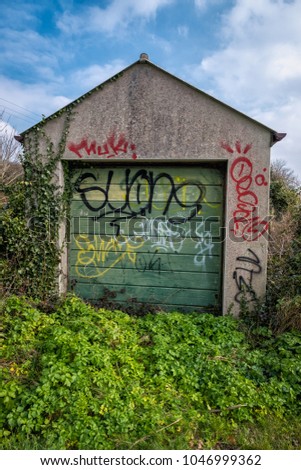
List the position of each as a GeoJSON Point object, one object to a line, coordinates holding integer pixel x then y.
{"type": "Point", "coordinates": [148, 233]}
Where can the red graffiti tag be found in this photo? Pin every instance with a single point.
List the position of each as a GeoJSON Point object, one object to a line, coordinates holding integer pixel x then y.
{"type": "Point", "coordinates": [260, 179]}
{"type": "Point", "coordinates": [229, 149]}
{"type": "Point", "coordinates": [113, 147]}
{"type": "Point", "coordinates": [246, 223]}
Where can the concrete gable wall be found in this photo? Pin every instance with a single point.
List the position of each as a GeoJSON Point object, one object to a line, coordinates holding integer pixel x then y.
{"type": "Point", "coordinates": [162, 117]}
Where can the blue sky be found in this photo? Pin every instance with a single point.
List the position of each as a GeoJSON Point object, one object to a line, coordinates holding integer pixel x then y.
{"type": "Point", "coordinates": [246, 53]}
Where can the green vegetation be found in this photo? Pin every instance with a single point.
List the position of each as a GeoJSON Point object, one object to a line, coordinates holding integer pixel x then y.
{"type": "Point", "coordinates": [281, 310]}
{"type": "Point", "coordinates": [30, 220]}
{"type": "Point", "coordinates": [83, 378]}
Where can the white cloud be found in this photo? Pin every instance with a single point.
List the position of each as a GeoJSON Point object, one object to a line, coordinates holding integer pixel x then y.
{"type": "Point", "coordinates": [118, 14]}
{"type": "Point", "coordinates": [262, 55]}
{"type": "Point", "coordinates": [202, 5]}
{"type": "Point", "coordinates": [26, 49]}
{"type": "Point", "coordinates": [287, 63]}
{"type": "Point", "coordinates": [18, 13]}
{"type": "Point", "coordinates": [285, 118]}
{"type": "Point", "coordinates": [32, 100]}
{"type": "Point", "coordinates": [93, 75]}
{"type": "Point", "coordinates": [258, 68]}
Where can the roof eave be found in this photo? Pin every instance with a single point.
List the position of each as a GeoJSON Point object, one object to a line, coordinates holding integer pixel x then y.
{"type": "Point", "coordinates": [276, 137]}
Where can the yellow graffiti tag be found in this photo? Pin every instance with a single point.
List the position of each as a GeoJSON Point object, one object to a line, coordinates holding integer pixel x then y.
{"type": "Point", "coordinates": [213, 205]}
{"type": "Point", "coordinates": [94, 252]}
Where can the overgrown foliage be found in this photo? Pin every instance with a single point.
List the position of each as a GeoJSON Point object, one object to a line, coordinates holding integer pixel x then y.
{"type": "Point", "coordinates": [285, 189]}
{"type": "Point", "coordinates": [281, 308]}
{"type": "Point", "coordinates": [82, 378]}
{"type": "Point", "coordinates": [30, 223]}
{"type": "Point", "coordinates": [283, 303]}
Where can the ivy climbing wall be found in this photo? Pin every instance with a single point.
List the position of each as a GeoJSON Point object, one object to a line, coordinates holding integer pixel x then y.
{"type": "Point", "coordinates": [150, 233]}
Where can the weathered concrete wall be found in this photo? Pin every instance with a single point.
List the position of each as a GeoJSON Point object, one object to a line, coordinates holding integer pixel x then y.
{"type": "Point", "coordinates": [147, 115]}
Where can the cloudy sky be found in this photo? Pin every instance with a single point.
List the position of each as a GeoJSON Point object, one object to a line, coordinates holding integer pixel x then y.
{"type": "Point", "coordinates": [246, 53]}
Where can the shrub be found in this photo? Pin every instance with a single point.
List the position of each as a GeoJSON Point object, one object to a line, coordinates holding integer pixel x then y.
{"type": "Point", "coordinates": [282, 310]}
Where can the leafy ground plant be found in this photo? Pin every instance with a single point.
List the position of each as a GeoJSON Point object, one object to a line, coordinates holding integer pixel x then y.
{"type": "Point", "coordinates": [87, 378]}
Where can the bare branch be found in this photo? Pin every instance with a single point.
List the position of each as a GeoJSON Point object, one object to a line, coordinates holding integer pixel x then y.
{"type": "Point", "coordinates": [280, 172]}
{"type": "Point", "coordinates": [10, 151]}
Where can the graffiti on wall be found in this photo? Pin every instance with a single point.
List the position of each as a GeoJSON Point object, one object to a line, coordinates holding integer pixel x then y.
{"type": "Point", "coordinates": [249, 266]}
{"type": "Point", "coordinates": [135, 216]}
{"type": "Point", "coordinates": [114, 146]}
{"type": "Point", "coordinates": [246, 223]}
{"type": "Point", "coordinates": [103, 253]}
{"type": "Point", "coordinates": [138, 190]}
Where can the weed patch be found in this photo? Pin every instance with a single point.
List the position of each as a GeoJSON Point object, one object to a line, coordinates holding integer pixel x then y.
{"type": "Point", "coordinates": [87, 378]}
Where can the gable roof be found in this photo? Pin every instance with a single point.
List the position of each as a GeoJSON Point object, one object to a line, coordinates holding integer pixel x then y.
{"type": "Point", "coordinates": [144, 59]}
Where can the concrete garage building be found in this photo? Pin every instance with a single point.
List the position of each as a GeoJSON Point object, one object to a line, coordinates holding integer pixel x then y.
{"type": "Point", "coordinates": [170, 195]}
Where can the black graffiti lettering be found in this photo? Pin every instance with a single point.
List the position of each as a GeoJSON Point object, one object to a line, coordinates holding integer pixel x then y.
{"type": "Point", "coordinates": [197, 202]}
{"type": "Point", "coordinates": [84, 191]}
{"type": "Point", "coordinates": [243, 276]}
{"type": "Point", "coordinates": [171, 192]}
{"type": "Point", "coordinates": [255, 261]}
{"type": "Point", "coordinates": [132, 186]}
{"type": "Point", "coordinates": [244, 287]}
{"type": "Point", "coordinates": [145, 262]}
{"type": "Point", "coordinates": [182, 220]}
